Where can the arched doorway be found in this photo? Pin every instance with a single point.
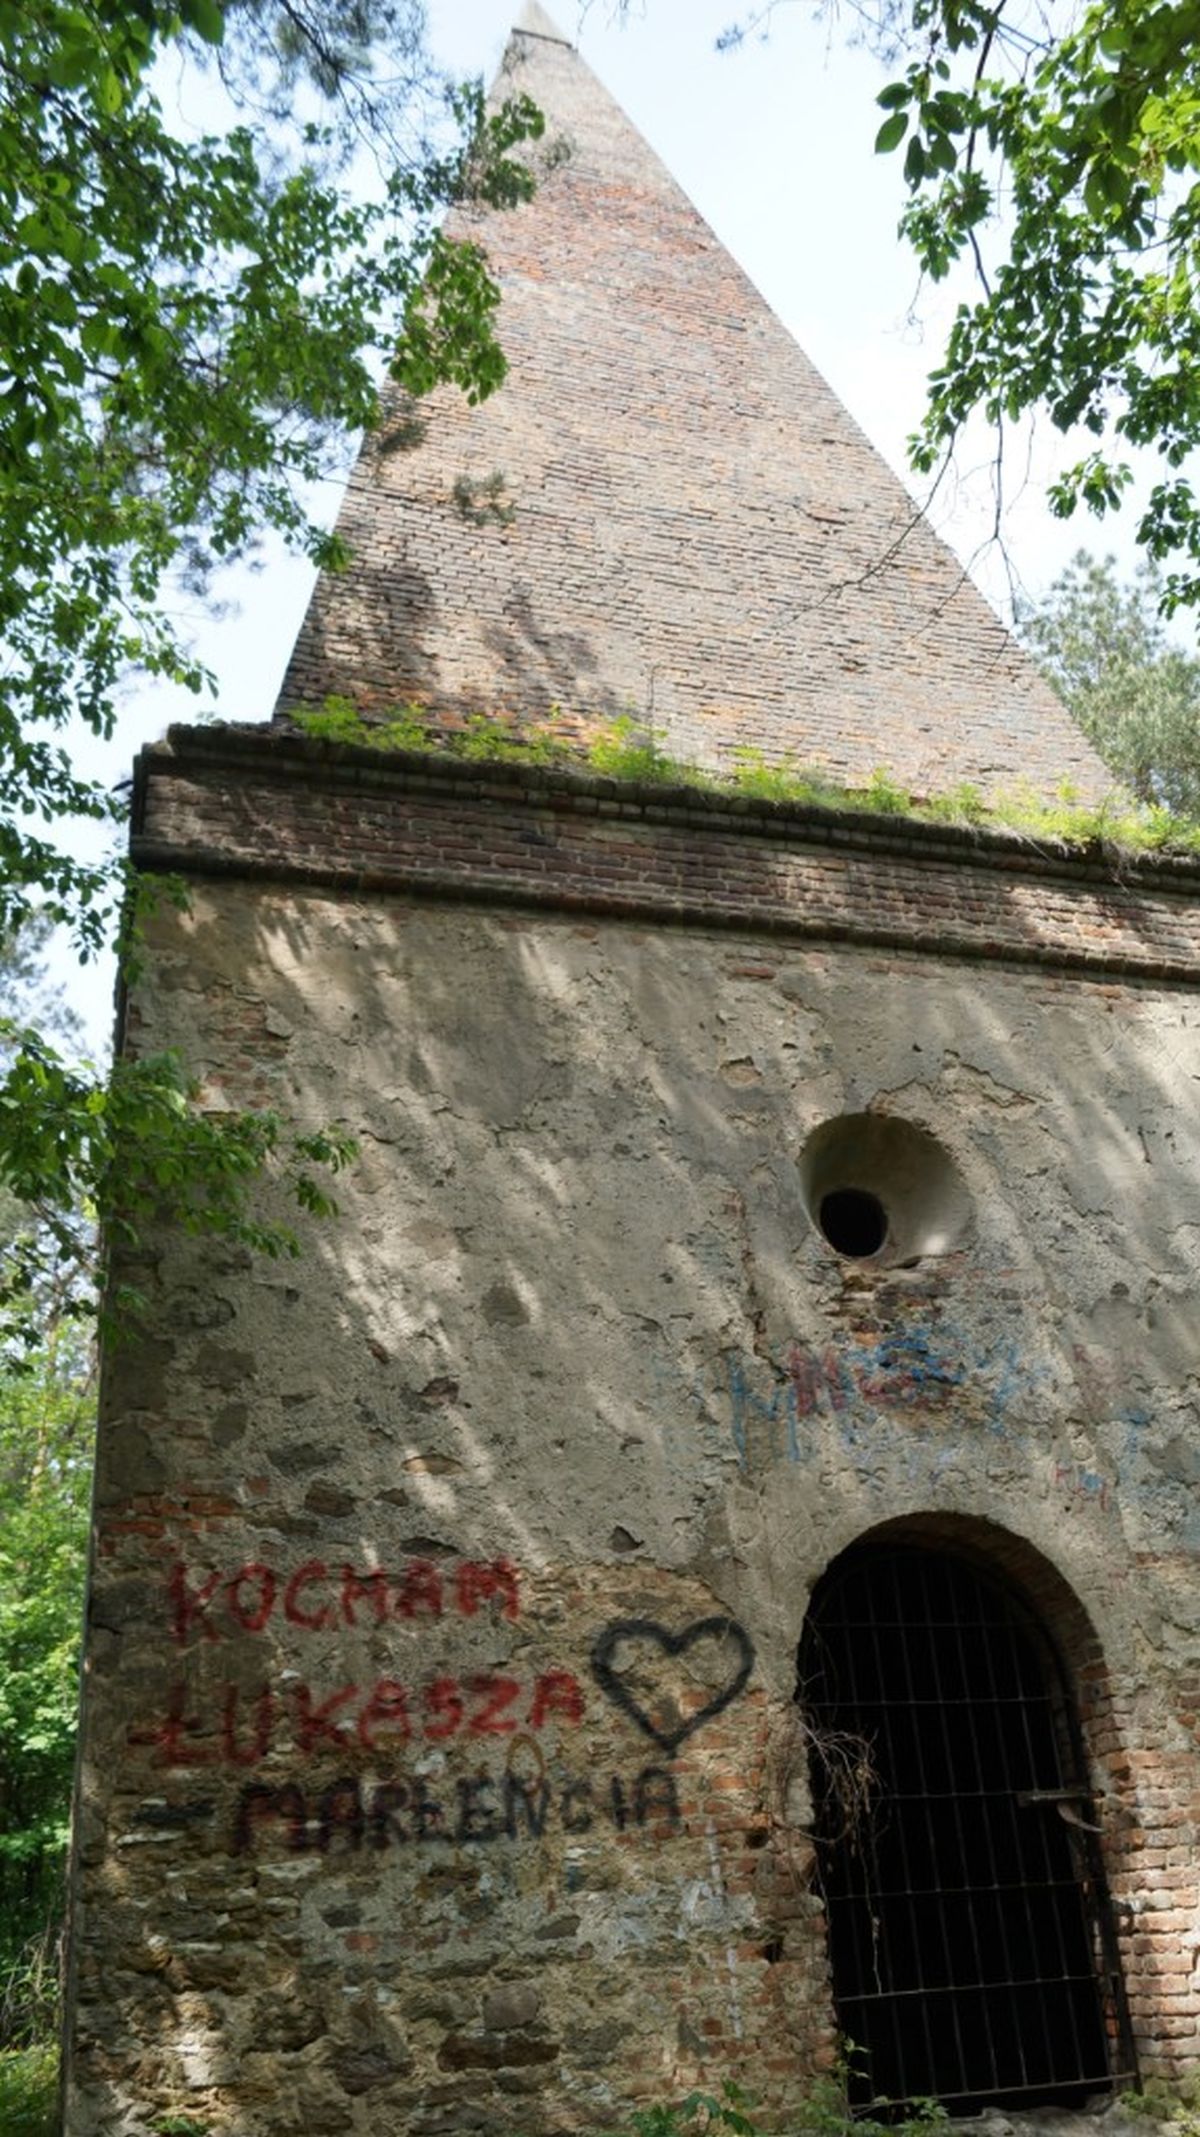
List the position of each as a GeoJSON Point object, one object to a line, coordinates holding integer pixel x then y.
{"type": "Point", "coordinates": [970, 1947]}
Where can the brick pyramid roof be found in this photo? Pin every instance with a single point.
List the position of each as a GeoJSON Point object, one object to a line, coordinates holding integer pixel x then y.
{"type": "Point", "coordinates": [664, 512]}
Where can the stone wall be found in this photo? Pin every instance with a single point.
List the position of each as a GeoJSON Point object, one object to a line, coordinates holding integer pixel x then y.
{"type": "Point", "coordinates": [442, 1763]}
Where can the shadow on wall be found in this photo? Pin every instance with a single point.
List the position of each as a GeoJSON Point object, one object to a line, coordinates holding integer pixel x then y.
{"type": "Point", "coordinates": [578, 1227]}
{"type": "Point", "coordinates": [529, 1465]}
{"type": "Point", "coordinates": [381, 641]}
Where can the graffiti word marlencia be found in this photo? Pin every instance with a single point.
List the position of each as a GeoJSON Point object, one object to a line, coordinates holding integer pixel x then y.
{"type": "Point", "coordinates": [352, 1814]}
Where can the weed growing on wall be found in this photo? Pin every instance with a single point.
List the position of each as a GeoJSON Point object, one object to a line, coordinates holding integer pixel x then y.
{"type": "Point", "coordinates": [1177, 2105]}
{"type": "Point", "coordinates": [824, 2112]}
{"type": "Point", "coordinates": [696, 2116]}
{"type": "Point", "coordinates": [623, 750]}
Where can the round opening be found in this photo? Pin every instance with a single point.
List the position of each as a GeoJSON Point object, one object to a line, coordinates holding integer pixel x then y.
{"type": "Point", "coordinates": [853, 1221]}
{"type": "Point", "coordinates": [883, 1190]}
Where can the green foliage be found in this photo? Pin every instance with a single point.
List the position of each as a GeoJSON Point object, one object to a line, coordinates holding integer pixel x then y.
{"type": "Point", "coordinates": [338, 720]}
{"type": "Point", "coordinates": [1061, 158]}
{"type": "Point", "coordinates": [885, 796]}
{"type": "Point", "coordinates": [824, 2112]}
{"type": "Point", "coordinates": [1161, 2102]}
{"type": "Point", "coordinates": [29, 2091]}
{"type": "Point", "coordinates": [191, 328]}
{"type": "Point", "coordinates": [622, 751]}
{"type": "Point", "coordinates": [699, 2115]}
{"type": "Point", "coordinates": [188, 327]}
{"type": "Point", "coordinates": [482, 738]}
{"type": "Point", "coordinates": [485, 740]}
{"type": "Point", "coordinates": [136, 1147]}
{"type": "Point", "coordinates": [963, 804]}
{"type": "Point", "coordinates": [1135, 695]}
{"type": "Point", "coordinates": [47, 1412]}
{"type": "Point", "coordinates": [625, 751]}
{"type": "Point", "coordinates": [29, 1000]}
{"type": "Point", "coordinates": [30, 2001]}
{"type": "Point", "coordinates": [826, 2109]}
{"type": "Point", "coordinates": [785, 781]}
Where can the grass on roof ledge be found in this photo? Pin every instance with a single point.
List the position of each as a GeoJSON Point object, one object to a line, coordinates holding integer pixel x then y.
{"type": "Point", "coordinates": [621, 751]}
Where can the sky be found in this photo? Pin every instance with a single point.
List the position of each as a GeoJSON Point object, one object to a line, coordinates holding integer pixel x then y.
{"type": "Point", "coordinates": [774, 143]}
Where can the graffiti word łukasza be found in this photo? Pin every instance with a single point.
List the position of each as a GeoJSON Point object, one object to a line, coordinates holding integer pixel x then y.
{"type": "Point", "coordinates": [244, 1727]}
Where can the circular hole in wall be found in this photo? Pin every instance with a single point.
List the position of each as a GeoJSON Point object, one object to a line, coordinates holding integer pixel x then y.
{"type": "Point", "coordinates": [883, 1190]}
{"type": "Point", "coordinates": [853, 1221]}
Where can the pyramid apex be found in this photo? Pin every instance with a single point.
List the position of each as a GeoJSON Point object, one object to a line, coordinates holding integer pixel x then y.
{"type": "Point", "coordinates": [533, 21]}
{"type": "Point", "coordinates": [663, 514]}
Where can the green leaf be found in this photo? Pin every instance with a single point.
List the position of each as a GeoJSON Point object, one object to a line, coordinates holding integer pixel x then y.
{"type": "Point", "coordinates": [110, 93]}
{"type": "Point", "coordinates": [891, 133]}
{"type": "Point", "coordinates": [188, 328]}
{"type": "Point", "coordinates": [914, 161]}
{"type": "Point", "coordinates": [206, 17]}
{"type": "Point", "coordinates": [71, 64]}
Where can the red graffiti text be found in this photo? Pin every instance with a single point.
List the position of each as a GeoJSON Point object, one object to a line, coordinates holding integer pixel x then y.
{"type": "Point", "coordinates": [317, 1597]}
{"type": "Point", "coordinates": [247, 1725]}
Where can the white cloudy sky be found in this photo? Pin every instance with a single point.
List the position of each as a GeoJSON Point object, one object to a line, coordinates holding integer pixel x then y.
{"type": "Point", "coordinates": [774, 143]}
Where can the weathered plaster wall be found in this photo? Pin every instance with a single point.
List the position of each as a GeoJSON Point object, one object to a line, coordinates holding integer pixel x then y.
{"type": "Point", "coordinates": [383, 1827]}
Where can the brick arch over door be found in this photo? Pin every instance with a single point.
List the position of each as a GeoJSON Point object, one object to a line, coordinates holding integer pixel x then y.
{"type": "Point", "coordinates": [972, 1946]}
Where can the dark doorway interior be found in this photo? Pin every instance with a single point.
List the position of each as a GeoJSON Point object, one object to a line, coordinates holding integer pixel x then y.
{"type": "Point", "coordinates": [963, 1893]}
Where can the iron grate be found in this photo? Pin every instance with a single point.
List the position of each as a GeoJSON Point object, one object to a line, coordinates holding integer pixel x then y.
{"type": "Point", "coordinates": [967, 1939]}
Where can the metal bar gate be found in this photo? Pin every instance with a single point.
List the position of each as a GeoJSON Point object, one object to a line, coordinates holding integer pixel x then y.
{"type": "Point", "coordinates": [969, 1949]}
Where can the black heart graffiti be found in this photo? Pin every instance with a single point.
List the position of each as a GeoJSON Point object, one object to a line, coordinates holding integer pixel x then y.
{"type": "Point", "coordinates": [671, 1644]}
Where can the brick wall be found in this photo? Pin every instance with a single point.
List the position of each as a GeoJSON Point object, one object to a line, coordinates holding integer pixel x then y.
{"type": "Point", "coordinates": [243, 802]}
{"type": "Point", "coordinates": [700, 537]}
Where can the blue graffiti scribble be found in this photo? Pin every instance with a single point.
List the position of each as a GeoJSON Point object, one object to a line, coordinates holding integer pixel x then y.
{"type": "Point", "coordinates": [906, 1366]}
{"type": "Point", "coordinates": [907, 1369]}
{"type": "Point", "coordinates": [744, 1401]}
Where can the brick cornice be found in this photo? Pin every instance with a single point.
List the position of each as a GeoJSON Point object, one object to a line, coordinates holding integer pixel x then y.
{"type": "Point", "coordinates": [263, 804]}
